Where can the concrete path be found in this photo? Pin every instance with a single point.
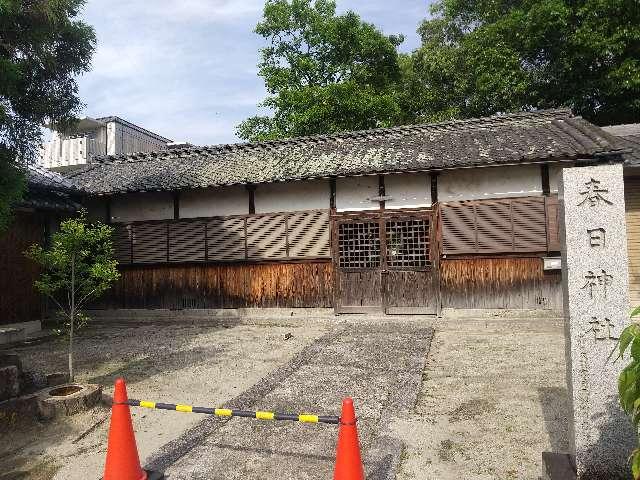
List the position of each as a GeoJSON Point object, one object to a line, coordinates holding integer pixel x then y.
{"type": "Point", "coordinates": [380, 366]}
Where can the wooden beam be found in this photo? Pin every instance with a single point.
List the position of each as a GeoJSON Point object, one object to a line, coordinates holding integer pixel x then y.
{"type": "Point", "coordinates": [176, 205]}
{"type": "Point", "coordinates": [434, 187]}
{"type": "Point", "coordinates": [252, 198]}
{"type": "Point", "coordinates": [332, 193]}
{"type": "Point", "coordinates": [381, 191]}
{"type": "Point", "coordinates": [544, 174]}
{"type": "Point", "coordinates": [107, 209]}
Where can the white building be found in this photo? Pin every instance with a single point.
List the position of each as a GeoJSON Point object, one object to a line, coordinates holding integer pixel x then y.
{"type": "Point", "coordinates": [93, 137]}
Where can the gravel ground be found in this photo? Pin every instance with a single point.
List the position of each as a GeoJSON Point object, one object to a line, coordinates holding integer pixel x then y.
{"type": "Point", "coordinates": [493, 398]}
{"type": "Point", "coordinates": [198, 365]}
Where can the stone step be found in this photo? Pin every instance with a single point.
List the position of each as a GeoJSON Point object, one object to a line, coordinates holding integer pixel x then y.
{"type": "Point", "coordinates": [11, 335]}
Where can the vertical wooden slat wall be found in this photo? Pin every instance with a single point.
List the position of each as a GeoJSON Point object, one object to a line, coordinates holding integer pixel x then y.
{"type": "Point", "coordinates": [492, 253]}
{"type": "Point", "coordinates": [632, 206]}
{"type": "Point", "coordinates": [305, 284]}
{"type": "Point", "coordinates": [19, 301]}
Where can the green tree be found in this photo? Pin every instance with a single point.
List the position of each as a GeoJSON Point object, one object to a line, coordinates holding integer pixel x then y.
{"type": "Point", "coordinates": [77, 267]}
{"type": "Point", "coordinates": [323, 72]}
{"type": "Point", "coordinates": [42, 48]}
{"type": "Point", "coordinates": [482, 57]}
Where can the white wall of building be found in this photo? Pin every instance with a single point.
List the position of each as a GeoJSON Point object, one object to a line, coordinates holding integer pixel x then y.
{"type": "Point", "coordinates": [407, 190]}
{"type": "Point", "coordinates": [292, 196]}
{"type": "Point", "coordinates": [124, 139]}
{"type": "Point", "coordinates": [133, 207]}
{"type": "Point", "coordinates": [64, 150]}
{"type": "Point", "coordinates": [223, 201]}
{"type": "Point", "coordinates": [353, 193]}
{"type": "Point", "coordinates": [554, 177]}
{"type": "Point", "coordinates": [490, 182]}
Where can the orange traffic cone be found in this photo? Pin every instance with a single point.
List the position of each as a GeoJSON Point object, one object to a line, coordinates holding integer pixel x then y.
{"type": "Point", "coordinates": [122, 462]}
{"type": "Point", "coordinates": [348, 460]}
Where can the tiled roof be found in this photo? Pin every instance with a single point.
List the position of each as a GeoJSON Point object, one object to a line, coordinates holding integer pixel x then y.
{"type": "Point", "coordinates": [47, 190]}
{"type": "Point", "coordinates": [42, 200]}
{"type": "Point", "coordinates": [507, 139]}
{"type": "Point", "coordinates": [39, 177]}
{"type": "Point", "coordinates": [629, 136]}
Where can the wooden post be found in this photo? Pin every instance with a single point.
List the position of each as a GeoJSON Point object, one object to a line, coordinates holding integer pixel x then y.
{"type": "Point", "coordinates": [434, 187]}
{"type": "Point", "coordinates": [332, 193]}
{"type": "Point", "coordinates": [108, 210]}
{"type": "Point", "coordinates": [381, 191]}
{"type": "Point", "coordinates": [252, 198]}
{"type": "Point", "coordinates": [176, 205]}
{"type": "Point", "coordinates": [544, 174]}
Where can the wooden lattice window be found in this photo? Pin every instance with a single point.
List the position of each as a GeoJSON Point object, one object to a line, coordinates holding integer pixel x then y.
{"type": "Point", "coordinates": [516, 225]}
{"type": "Point", "coordinates": [266, 237]}
{"type": "Point", "coordinates": [309, 234]}
{"type": "Point", "coordinates": [187, 241]}
{"type": "Point", "coordinates": [278, 236]}
{"type": "Point", "coordinates": [359, 245]}
{"type": "Point", "coordinates": [407, 243]}
{"type": "Point", "coordinates": [122, 243]}
{"type": "Point", "coordinates": [150, 242]}
{"type": "Point", "coordinates": [226, 239]}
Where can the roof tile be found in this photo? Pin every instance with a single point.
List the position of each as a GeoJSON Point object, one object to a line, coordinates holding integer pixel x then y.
{"type": "Point", "coordinates": [506, 139]}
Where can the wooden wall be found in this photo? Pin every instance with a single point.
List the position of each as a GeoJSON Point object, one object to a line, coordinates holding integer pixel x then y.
{"type": "Point", "coordinates": [304, 284]}
{"type": "Point", "coordinates": [632, 207]}
{"type": "Point", "coordinates": [19, 302]}
{"type": "Point", "coordinates": [517, 283]}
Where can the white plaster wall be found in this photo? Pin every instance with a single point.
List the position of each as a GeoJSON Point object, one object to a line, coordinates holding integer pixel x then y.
{"type": "Point", "coordinates": [408, 190]}
{"type": "Point", "coordinates": [292, 196]}
{"type": "Point", "coordinates": [489, 182]}
{"type": "Point", "coordinates": [111, 138]}
{"type": "Point", "coordinates": [555, 171]}
{"type": "Point", "coordinates": [134, 207]}
{"type": "Point", "coordinates": [223, 201]}
{"type": "Point", "coordinates": [352, 193]}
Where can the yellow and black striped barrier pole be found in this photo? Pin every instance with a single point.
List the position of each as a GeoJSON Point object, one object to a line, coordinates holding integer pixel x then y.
{"type": "Point", "coordinates": [227, 412]}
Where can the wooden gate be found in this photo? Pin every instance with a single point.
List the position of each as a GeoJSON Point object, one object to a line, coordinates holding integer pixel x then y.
{"type": "Point", "coordinates": [384, 263]}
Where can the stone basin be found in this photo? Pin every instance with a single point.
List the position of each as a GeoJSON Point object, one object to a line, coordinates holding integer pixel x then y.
{"type": "Point", "coordinates": [68, 399]}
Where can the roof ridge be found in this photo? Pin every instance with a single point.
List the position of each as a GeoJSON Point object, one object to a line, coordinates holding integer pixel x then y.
{"type": "Point", "coordinates": [240, 146]}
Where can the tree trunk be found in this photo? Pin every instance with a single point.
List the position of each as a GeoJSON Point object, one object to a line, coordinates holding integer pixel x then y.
{"type": "Point", "coordinates": [72, 315]}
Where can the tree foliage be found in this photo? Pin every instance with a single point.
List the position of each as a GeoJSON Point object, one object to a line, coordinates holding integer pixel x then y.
{"type": "Point", "coordinates": [77, 267]}
{"type": "Point", "coordinates": [323, 72]}
{"type": "Point", "coordinates": [482, 57]}
{"type": "Point", "coordinates": [42, 48]}
{"type": "Point", "coordinates": [629, 381]}
{"type": "Point", "coordinates": [326, 72]}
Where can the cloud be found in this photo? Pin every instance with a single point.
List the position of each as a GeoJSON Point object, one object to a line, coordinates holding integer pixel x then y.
{"type": "Point", "coordinates": [187, 68]}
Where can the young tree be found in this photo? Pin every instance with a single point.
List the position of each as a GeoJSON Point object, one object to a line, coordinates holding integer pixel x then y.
{"type": "Point", "coordinates": [324, 72]}
{"type": "Point", "coordinates": [479, 58]}
{"type": "Point", "coordinates": [42, 48]}
{"type": "Point", "coordinates": [78, 266]}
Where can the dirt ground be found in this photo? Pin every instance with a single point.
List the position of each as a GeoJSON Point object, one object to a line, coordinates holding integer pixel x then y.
{"type": "Point", "coordinates": [197, 365]}
{"type": "Point", "coordinates": [490, 398]}
{"type": "Point", "coordinates": [493, 398]}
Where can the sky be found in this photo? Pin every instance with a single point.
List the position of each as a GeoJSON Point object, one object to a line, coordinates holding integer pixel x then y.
{"type": "Point", "coordinates": [187, 69]}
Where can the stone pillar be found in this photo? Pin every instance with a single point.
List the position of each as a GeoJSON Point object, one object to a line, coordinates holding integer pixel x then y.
{"type": "Point", "coordinates": [595, 282]}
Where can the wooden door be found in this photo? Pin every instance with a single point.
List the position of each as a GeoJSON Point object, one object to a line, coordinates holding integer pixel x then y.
{"type": "Point", "coordinates": [409, 280]}
{"type": "Point", "coordinates": [383, 264]}
{"type": "Point", "coordinates": [358, 265]}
